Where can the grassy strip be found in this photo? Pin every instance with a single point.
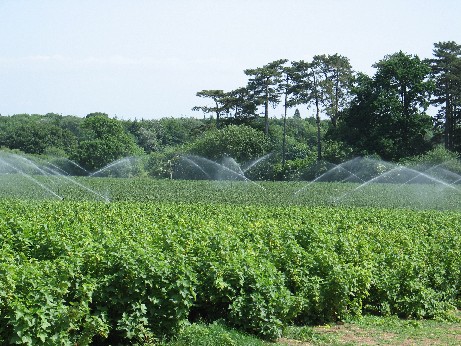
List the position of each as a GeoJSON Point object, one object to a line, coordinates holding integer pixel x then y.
{"type": "Point", "coordinates": [374, 330]}
{"type": "Point", "coordinates": [214, 334]}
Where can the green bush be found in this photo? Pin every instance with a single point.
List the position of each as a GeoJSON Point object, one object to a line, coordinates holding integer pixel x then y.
{"type": "Point", "coordinates": [242, 143]}
{"type": "Point", "coordinates": [439, 156]}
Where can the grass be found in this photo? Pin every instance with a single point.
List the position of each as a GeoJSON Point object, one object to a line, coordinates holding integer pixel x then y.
{"type": "Point", "coordinates": [372, 330]}
{"type": "Point", "coordinates": [369, 330]}
{"type": "Point", "coordinates": [215, 334]}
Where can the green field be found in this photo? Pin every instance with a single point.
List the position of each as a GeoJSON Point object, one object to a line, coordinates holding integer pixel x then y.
{"type": "Point", "coordinates": [256, 258]}
{"type": "Point", "coordinates": [297, 193]}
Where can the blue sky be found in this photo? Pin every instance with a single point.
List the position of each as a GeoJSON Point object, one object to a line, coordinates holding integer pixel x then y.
{"type": "Point", "coordinates": [147, 59]}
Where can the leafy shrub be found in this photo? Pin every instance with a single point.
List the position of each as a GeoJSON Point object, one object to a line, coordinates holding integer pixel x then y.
{"type": "Point", "coordinates": [435, 156]}
{"type": "Point", "coordinates": [439, 156]}
{"type": "Point", "coordinates": [242, 143]}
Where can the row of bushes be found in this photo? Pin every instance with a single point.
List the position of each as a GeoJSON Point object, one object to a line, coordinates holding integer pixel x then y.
{"type": "Point", "coordinates": [76, 273]}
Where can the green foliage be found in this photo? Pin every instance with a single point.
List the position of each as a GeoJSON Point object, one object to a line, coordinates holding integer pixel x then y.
{"type": "Point", "coordinates": [219, 99]}
{"type": "Point", "coordinates": [307, 334]}
{"type": "Point", "coordinates": [435, 156]}
{"type": "Point", "coordinates": [105, 141]}
{"type": "Point", "coordinates": [242, 143]}
{"type": "Point", "coordinates": [34, 134]}
{"type": "Point", "coordinates": [297, 114]}
{"type": "Point", "coordinates": [300, 132]}
{"type": "Point", "coordinates": [337, 152]}
{"type": "Point", "coordinates": [387, 115]}
{"type": "Point", "coordinates": [72, 287]}
{"type": "Point", "coordinates": [96, 273]}
{"type": "Point", "coordinates": [292, 170]}
{"type": "Point", "coordinates": [161, 164]}
{"type": "Point", "coordinates": [446, 68]}
{"type": "Point", "coordinates": [145, 134]}
{"type": "Point", "coordinates": [247, 291]}
{"type": "Point", "coordinates": [265, 86]}
{"type": "Point", "coordinates": [161, 134]}
{"type": "Point", "coordinates": [215, 334]}
{"type": "Point", "coordinates": [179, 131]}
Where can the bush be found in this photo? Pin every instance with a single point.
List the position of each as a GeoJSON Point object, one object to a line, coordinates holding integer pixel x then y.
{"type": "Point", "coordinates": [242, 143]}
{"type": "Point", "coordinates": [437, 156]}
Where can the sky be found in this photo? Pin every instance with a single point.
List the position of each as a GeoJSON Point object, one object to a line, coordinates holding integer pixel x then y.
{"type": "Point", "coordinates": [140, 59]}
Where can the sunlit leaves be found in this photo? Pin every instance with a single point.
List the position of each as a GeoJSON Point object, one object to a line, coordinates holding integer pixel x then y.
{"type": "Point", "coordinates": [81, 272]}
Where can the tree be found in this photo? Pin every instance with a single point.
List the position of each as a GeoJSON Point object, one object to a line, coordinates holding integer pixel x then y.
{"type": "Point", "coordinates": [237, 105]}
{"type": "Point", "coordinates": [240, 104]}
{"type": "Point", "coordinates": [264, 84]}
{"type": "Point", "coordinates": [405, 78]}
{"type": "Point", "coordinates": [105, 141]}
{"type": "Point", "coordinates": [218, 97]}
{"type": "Point", "coordinates": [336, 83]}
{"type": "Point", "coordinates": [289, 75]}
{"type": "Point", "coordinates": [144, 133]}
{"type": "Point", "coordinates": [178, 131]}
{"type": "Point", "coordinates": [307, 90]}
{"type": "Point", "coordinates": [388, 112]}
{"type": "Point", "coordinates": [446, 69]}
{"type": "Point", "coordinates": [36, 134]}
{"type": "Point", "coordinates": [327, 81]}
{"type": "Point", "coordinates": [97, 114]}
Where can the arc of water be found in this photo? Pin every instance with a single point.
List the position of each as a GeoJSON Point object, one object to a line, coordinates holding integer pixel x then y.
{"type": "Point", "coordinates": [431, 169]}
{"type": "Point", "coordinates": [440, 164]}
{"type": "Point", "coordinates": [33, 179]}
{"type": "Point", "coordinates": [236, 165]}
{"type": "Point", "coordinates": [348, 171]}
{"type": "Point", "coordinates": [454, 175]}
{"type": "Point", "coordinates": [435, 180]}
{"type": "Point", "coordinates": [456, 181]}
{"type": "Point", "coordinates": [229, 171]}
{"type": "Point", "coordinates": [30, 163]}
{"type": "Point", "coordinates": [76, 165]}
{"type": "Point", "coordinates": [197, 165]}
{"type": "Point", "coordinates": [432, 178]}
{"type": "Point", "coordinates": [115, 163]}
{"type": "Point", "coordinates": [65, 177]}
{"type": "Point", "coordinates": [391, 171]}
{"type": "Point", "coordinates": [328, 172]}
{"type": "Point", "coordinates": [58, 168]}
{"type": "Point", "coordinates": [34, 165]}
{"type": "Point", "coordinates": [367, 183]}
{"type": "Point", "coordinates": [253, 163]}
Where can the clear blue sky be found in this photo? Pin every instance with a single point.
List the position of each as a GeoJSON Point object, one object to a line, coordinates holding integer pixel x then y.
{"type": "Point", "coordinates": [147, 59]}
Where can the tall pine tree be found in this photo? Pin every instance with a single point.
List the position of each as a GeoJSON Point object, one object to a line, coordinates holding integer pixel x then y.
{"type": "Point", "coordinates": [446, 69]}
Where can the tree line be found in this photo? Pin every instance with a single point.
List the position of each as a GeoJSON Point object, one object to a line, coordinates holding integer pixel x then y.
{"type": "Point", "coordinates": [381, 114]}
{"type": "Point", "coordinates": [352, 114]}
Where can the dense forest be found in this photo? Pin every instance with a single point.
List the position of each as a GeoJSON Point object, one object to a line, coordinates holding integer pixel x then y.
{"type": "Point", "coordinates": [409, 109]}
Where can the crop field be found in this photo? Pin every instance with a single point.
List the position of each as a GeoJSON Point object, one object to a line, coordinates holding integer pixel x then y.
{"type": "Point", "coordinates": [290, 193]}
{"type": "Point", "coordinates": [126, 261]}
